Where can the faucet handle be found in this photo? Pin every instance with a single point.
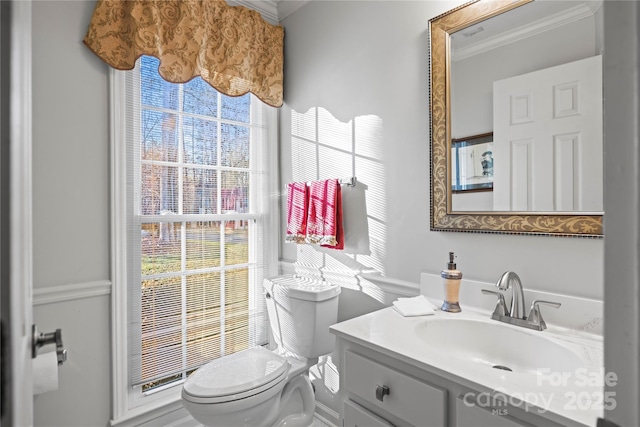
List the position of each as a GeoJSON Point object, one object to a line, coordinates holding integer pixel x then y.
{"type": "Point", "coordinates": [501, 306]}
{"type": "Point", "coordinates": [534, 314]}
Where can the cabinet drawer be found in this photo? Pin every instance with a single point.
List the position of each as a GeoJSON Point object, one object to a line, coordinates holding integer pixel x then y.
{"type": "Point", "coordinates": [489, 412]}
{"type": "Point", "coordinates": [409, 399]}
{"type": "Point", "coordinates": [468, 415]}
{"type": "Point", "coordinates": [356, 416]}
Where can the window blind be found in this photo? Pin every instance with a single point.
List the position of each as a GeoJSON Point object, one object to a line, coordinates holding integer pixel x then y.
{"type": "Point", "coordinates": [197, 203]}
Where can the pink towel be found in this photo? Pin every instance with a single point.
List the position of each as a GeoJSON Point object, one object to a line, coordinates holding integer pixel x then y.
{"type": "Point", "coordinates": [339, 227]}
{"type": "Point", "coordinates": [297, 207]}
{"type": "Point", "coordinates": [324, 219]}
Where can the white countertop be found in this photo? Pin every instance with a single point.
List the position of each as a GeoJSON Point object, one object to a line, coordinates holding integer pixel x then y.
{"type": "Point", "coordinates": [577, 397]}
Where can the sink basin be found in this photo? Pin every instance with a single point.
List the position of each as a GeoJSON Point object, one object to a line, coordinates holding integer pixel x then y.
{"type": "Point", "coordinates": [498, 345]}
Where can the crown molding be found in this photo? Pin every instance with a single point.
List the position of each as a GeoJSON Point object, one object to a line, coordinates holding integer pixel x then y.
{"type": "Point", "coordinates": [287, 7]}
{"type": "Point", "coordinates": [273, 11]}
{"type": "Point", "coordinates": [267, 8]}
{"type": "Point", "coordinates": [575, 13]}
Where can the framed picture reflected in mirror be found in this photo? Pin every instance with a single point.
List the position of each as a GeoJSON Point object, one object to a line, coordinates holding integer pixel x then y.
{"type": "Point", "coordinates": [472, 163]}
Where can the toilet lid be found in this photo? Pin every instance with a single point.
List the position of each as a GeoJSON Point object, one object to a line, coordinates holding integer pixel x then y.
{"type": "Point", "coordinates": [304, 288]}
{"type": "Point", "coordinates": [236, 374]}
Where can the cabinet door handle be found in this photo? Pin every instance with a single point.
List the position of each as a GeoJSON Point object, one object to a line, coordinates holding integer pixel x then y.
{"type": "Point", "coordinates": [381, 392]}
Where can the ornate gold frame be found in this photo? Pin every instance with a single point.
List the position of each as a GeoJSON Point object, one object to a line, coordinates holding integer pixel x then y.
{"type": "Point", "coordinates": [442, 218]}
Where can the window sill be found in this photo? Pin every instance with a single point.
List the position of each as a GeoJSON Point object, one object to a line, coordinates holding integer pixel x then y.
{"type": "Point", "coordinates": [157, 412]}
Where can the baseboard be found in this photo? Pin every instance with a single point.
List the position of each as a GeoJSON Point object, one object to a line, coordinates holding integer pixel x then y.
{"type": "Point", "coordinates": [181, 418]}
{"type": "Point", "coordinates": [327, 415]}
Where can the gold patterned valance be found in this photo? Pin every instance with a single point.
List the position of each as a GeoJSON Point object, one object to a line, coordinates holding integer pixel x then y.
{"type": "Point", "coordinates": [231, 47]}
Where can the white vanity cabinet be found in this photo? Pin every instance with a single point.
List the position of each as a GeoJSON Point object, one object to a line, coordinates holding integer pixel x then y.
{"type": "Point", "coordinates": [394, 373]}
{"type": "Point", "coordinates": [379, 390]}
{"type": "Point", "coordinates": [379, 387]}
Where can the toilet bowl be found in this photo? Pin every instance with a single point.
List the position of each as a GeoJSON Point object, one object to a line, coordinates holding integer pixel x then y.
{"type": "Point", "coordinates": [259, 387]}
{"type": "Point", "coordinates": [249, 388]}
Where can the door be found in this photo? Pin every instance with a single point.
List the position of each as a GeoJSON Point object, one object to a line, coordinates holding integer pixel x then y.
{"type": "Point", "coordinates": [548, 139]}
{"type": "Point", "coordinates": [15, 212]}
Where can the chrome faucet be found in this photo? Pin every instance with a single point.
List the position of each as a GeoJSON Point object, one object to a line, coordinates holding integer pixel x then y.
{"type": "Point", "coordinates": [516, 309]}
{"type": "Point", "coordinates": [515, 314]}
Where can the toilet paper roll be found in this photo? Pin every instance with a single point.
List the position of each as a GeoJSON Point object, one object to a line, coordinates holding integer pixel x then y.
{"type": "Point", "coordinates": [45, 373]}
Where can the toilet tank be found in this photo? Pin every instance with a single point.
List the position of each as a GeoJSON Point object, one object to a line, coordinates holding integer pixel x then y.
{"type": "Point", "coordinates": [300, 312]}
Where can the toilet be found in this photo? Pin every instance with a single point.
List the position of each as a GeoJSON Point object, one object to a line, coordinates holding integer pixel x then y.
{"type": "Point", "coordinates": [259, 387]}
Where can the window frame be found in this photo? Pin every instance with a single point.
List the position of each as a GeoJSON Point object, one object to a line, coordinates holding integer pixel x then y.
{"type": "Point", "coordinates": [129, 408]}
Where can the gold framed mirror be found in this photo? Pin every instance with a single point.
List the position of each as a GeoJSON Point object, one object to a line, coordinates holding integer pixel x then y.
{"type": "Point", "coordinates": [556, 222]}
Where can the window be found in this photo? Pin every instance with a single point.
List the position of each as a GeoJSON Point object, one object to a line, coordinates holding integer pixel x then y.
{"type": "Point", "coordinates": [193, 226]}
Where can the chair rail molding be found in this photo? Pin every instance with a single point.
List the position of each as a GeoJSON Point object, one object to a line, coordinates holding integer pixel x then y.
{"type": "Point", "coordinates": [69, 292]}
{"type": "Point", "coordinates": [352, 278]}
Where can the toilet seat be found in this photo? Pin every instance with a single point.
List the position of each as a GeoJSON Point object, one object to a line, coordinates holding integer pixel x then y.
{"type": "Point", "coordinates": [237, 376]}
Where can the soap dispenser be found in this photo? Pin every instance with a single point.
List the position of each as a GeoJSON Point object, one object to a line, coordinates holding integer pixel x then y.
{"type": "Point", "coordinates": [452, 278]}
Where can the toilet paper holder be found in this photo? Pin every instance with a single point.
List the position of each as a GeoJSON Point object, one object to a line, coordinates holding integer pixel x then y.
{"type": "Point", "coordinates": [40, 339]}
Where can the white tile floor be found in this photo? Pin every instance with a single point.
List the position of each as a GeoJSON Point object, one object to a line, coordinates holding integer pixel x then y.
{"type": "Point", "coordinates": [318, 423]}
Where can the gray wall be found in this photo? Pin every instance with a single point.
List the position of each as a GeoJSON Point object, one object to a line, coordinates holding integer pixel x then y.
{"type": "Point", "coordinates": [364, 65]}
{"type": "Point", "coordinates": [71, 211]}
{"type": "Point", "coordinates": [622, 207]}
{"type": "Point", "coordinates": [356, 104]}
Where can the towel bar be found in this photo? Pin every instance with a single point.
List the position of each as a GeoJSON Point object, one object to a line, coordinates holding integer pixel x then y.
{"type": "Point", "coordinates": [351, 182]}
